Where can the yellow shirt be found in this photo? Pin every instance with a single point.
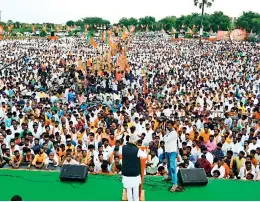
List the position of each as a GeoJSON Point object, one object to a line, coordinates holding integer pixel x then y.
{"type": "Point", "coordinates": [240, 162]}
{"type": "Point", "coordinates": [39, 158]}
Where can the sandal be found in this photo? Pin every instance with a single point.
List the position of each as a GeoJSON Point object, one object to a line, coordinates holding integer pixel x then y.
{"type": "Point", "coordinates": [173, 189]}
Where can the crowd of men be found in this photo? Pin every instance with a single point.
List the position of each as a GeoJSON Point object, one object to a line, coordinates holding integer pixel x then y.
{"type": "Point", "coordinates": [59, 107]}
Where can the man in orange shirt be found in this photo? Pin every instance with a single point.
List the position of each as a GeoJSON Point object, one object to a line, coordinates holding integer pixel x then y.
{"type": "Point", "coordinates": [39, 159]}
{"type": "Point", "coordinates": [205, 133]}
{"type": "Point", "coordinates": [16, 160]}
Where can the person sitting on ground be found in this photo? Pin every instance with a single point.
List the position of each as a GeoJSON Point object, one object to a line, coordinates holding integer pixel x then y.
{"type": "Point", "coordinates": [69, 160]}
{"type": "Point", "coordinates": [16, 160]}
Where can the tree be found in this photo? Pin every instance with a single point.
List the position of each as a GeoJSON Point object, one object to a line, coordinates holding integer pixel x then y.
{"type": "Point", "coordinates": [70, 23]}
{"type": "Point", "coordinates": [170, 22]}
{"type": "Point", "coordinates": [249, 21]}
{"type": "Point", "coordinates": [219, 21]}
{"type": "Point", "coordinates": [10, 22]}
{"type": "Point", "coordinates": [128, 21]}
{"type": "Point", "coordinates": [43, 34]}
{"type": "Point", "coordinates": [201, 4]}
{"type": "Point", "coordinates": [148, 20]}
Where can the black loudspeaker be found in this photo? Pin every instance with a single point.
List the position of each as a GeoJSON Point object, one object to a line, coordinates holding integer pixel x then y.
{"type": "Point", "coordinates": [52, 33]}
{"type": "Point", "coordinates": [194, 176]}
{"type": "Point", "coordinates": [176, 35]}
{"type": "Point", "coordinates": [73, 173]}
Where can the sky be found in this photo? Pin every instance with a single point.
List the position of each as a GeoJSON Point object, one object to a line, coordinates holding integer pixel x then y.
{"type": "Point", "coordinates": [60, 11]}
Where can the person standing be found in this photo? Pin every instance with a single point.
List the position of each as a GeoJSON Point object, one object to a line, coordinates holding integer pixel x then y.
{"type": "Point", "coordinates": [131, 168]}
{"type": "Point", "coordinates": [171, 140]}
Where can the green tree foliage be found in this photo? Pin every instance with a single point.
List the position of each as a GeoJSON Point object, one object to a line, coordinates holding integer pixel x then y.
{"type": "Point", "coordinates": [148, 20]}
{"type": "Point", "coordinates": [128, 21]}
{"type": "Point", "coordinates": [43, 34]}
{"type": "Point", "coordinates": [216, 21]}
{"type": "Point", "coordinates": [169, 22]}
{"type": "Point", "coordinates": [202, 4]}
{"type": "Point", "coordinates": [219, 21]}
{"type": "Point", "coordinates": [249, 21]}
{"type": "Point", "coordinates": [70, 23]}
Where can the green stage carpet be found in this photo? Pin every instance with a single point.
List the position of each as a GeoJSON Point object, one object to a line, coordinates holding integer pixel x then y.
{"type": "Point", "coordinates": [46, 186]}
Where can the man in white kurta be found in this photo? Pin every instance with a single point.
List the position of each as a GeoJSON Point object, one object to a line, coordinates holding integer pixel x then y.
{"type": "Point", "coordinates": [131, 168]}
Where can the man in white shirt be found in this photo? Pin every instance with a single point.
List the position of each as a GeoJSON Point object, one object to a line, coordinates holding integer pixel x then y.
{"type": "Point", "coordinates": [171, 151]}
{"type": "Point", "coordinates": [245, 170]}
{"type": "Point", "coordinates": [208, 155]}
{"type": "Point", "coordinates": [51, 160]}
{"type": "Point", "coordinates": [253, 145]}
{"type": "Point", "coordinates": [152, 163]}
{"type": "Point", "coordinates": [220, 168]}
{"type": "Point", "coordinates": [131, 167]}
{"type": "Point", "coordinates": [70, 161]}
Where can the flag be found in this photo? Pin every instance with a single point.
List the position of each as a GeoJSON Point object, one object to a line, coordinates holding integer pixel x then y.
{"type": "Point", "coordinates": [211, 31]}
{"type": "Point", "coordinates": [111, 44]}
{"type": "Point", "coordinates": [57, 28]}
{"type": "Point", "coordinates": [174, 30]}
{"type": "Point", "coordinates": [190, 31]}
{"type": "Point", "coordinates": [92, 42]}
{"type": "Point", "coordinates": [125, 29]}
{"type": "Point", "coordinates": [103, 35]}
{"type": "Point", "coordinates": [68, 29]}
{"type": "Point", "coordinates": [2, 30]}
{"type": "Point", "coordinates": [44, 28]}
{"type": "Point", "coordinates": [108, 34]}
{"type": "Point", "coordinates": [88, 37]}
{"type": "Point", "coordinates": [122, 60]}
{"type": "Point", "coordinates": [132, 29]}
{"type": "Point", "coordinates": [10, 28]}
{"type": "Point", "coordinates": [147, 28]}
{"type": "Point", "coordinates": [109, 61]}
{"type": "Point", "coordinates": [33, 28]}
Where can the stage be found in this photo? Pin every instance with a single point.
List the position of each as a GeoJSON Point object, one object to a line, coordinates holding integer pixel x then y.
{"type": "Point", "coordinates": [46, 186]}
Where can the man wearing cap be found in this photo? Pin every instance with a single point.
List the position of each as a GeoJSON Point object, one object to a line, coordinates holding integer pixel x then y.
{"type": "Point", "coordinates": [131, 168]}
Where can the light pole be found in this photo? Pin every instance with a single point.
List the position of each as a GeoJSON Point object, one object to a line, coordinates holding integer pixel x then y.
{"type": "Point", "coordinates": [102, 28]}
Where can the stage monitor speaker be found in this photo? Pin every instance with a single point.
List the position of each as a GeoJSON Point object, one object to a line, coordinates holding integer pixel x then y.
{"type": "Point", "coordinates": [194, 176]}
{"type": "Point", "coordinates": [52, 33]}
{"type": "Point", "coordinates": [73, 173]}
{"type": "Point", "coordinates": [176, 35]}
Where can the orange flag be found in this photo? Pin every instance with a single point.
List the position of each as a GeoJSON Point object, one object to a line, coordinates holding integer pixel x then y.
{"type": "Point", "coordinates": [190, 31]}
{"type": "Point", "coordinates": [57, 28]}
{"type": "Point", "coordinates": [111, 44]}
{"type": "Point", "coordinates": [92, 42]}
{"type": "Point", "coordinates": [132, 29]}
{"type": "Point", "coordinates": [10, 28]}
{"type": "Point", "coordinates": [68, 28]}
{"type": "Point", "coordinates": [33, 28]}
{"type": "Point", "coordinates": [122, 60]}
{"type": "Point", "coordinates": [109, 61]}
{"type": "Point", "coordinates": [2, 29]}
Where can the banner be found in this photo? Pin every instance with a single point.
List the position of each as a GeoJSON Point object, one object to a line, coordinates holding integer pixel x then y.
{"type": "Point", "coordinates": [238, 35]}
{"type": "Point", "coordinates": [223, 35]}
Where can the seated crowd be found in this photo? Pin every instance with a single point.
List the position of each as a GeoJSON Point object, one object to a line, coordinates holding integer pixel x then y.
{"type": "Point", "coordinates": [211, 94]}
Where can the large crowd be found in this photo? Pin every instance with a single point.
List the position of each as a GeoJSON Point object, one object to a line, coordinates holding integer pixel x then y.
{"type": "Point", "coordinates": [63, 102]}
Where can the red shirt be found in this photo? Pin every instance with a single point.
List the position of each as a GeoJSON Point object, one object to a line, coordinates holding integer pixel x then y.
{"type": "Point", "coordinates": [204, 163]}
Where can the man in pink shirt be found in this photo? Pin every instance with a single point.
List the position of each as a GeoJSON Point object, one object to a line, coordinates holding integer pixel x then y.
{"type": "Point", "coordinates": [81, 98]}
{"type": "Point", "coordinates": [211, 144]}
